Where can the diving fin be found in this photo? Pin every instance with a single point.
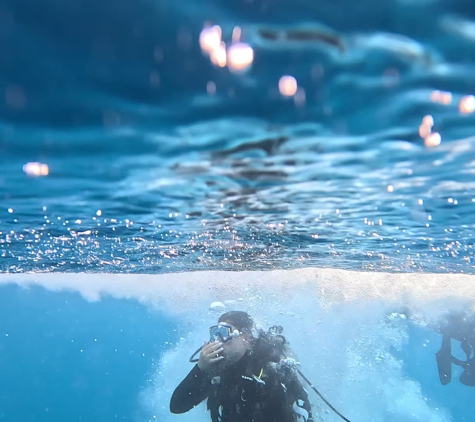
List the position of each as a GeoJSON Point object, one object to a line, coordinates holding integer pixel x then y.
{"type": "Point", "coordinates": [467, 377]}
{"type": "Point", "coordinates": [444, 361]}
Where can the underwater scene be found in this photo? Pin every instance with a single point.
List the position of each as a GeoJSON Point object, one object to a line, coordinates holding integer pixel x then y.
{"type": "Point", "coordinates": [241, 211]}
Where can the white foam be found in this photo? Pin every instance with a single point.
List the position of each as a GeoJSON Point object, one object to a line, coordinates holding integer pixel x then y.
{"type": "Point", "coordinates": [182, 293]}
{"type": "Point", "coordinates": [341, 324]}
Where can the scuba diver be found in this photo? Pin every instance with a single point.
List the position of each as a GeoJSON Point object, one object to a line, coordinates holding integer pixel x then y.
{"type": "Point", "coordinates": [462, 329]}
{"type": "Point", "coordinates": [244, 378]}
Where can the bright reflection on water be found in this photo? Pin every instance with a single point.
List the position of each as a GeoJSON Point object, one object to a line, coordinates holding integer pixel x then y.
{"type": "Point", "coordinates": [234, 137]}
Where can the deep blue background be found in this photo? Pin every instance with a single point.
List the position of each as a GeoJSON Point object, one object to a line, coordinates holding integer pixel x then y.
{"type": "Point", "coordinates": [46, 377]}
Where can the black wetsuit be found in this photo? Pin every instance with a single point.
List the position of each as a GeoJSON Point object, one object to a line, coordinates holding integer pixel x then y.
{"type": "Point", "coordinates": [248, 391]}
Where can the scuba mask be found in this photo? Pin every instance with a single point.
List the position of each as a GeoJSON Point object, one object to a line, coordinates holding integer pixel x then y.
{"type": "Point", "coordinates": [223, 332]}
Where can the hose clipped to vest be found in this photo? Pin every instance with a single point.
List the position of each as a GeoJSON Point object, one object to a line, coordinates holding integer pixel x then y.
{"type": "Point", "coordinates": [192, 360]}
{"type": "Point", "coordinates": [276, 331]}
{"type": "Point", "coordinates": [323, 398]}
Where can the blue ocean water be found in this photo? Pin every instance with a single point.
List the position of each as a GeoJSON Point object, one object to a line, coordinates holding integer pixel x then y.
{"type": "Point", "coordinates": [64, 358]}
{"type": "Point", "coordinates": [125, 150]}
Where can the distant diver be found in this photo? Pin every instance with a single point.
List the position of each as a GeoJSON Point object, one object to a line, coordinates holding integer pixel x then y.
{"type": "Point", "coordinates": [462, 329]}
{"type": "Point", "coordinates": [245, 378]}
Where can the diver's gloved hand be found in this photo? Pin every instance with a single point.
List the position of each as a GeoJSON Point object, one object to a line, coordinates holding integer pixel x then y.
{"type": "Point", "coordinates": [210, 355]}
